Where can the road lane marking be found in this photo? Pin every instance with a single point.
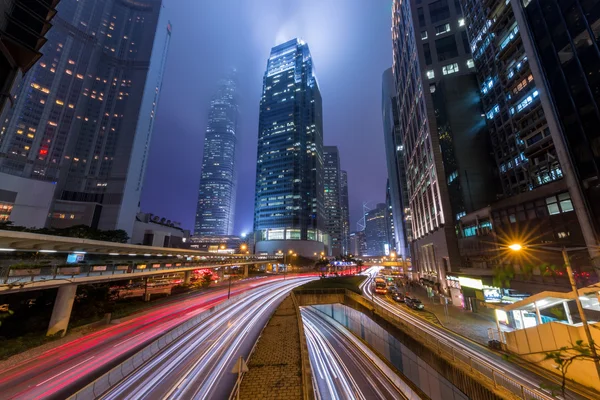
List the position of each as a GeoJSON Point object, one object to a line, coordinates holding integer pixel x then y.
{"type": "Point", "coordinates": [66, 370]}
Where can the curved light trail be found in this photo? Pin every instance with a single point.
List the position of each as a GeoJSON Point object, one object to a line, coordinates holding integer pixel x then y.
{"type": "Point", "coordinates": [197, 365]}
{"type": "Point", "coordinates": [341, 366]}
{"type": "Point", "coordinates": [59, 372]}
{"type": "Point", "coordinates": [445, 336]}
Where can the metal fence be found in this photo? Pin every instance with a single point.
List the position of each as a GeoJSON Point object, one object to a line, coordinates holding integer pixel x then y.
{"type": "Point", "coordinates": [457, 356]}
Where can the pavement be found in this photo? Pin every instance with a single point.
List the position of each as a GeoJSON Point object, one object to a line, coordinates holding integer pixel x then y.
{"type": "Point", "coordinates": [474, 326]}
{"type": "Point", "coordinates": [275, 367]}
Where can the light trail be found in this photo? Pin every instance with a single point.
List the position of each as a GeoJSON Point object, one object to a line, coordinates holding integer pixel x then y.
{"type": "Point", "coordinates": [197, 364]}
{"type": "Point", "coordinates": [61, 371]}
{"type": "Point", "coordinates": [343, 367]}
{"type": "Point", "coordinates": [447, 337]}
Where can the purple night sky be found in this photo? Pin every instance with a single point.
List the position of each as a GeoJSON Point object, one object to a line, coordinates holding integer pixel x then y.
{"type": "Point", "coordinates": [350, 41]}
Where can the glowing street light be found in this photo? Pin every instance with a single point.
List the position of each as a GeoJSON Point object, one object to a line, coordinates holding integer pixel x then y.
{"type": "Point", "coordinates": [586, 328]}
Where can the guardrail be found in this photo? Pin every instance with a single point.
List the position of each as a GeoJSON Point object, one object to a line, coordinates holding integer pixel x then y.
{"type": "Point", "coordinates": [18, 276]}
{"type": "Point", "coordinates": [307, 379]}
{"type": "Point", "coordinates": [457, 356]}
{"type": "Point", "coordinates": [99, 386]}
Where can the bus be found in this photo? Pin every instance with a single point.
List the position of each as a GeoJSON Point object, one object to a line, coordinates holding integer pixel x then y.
{"type": "Point", "coordinates": [380, 286]}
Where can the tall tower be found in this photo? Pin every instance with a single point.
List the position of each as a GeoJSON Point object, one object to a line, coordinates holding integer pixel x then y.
{"type": "Point", "coordinates": [345, 207]}
{"type": "Point", "coordinates": [84, 115]}
{"type": "Point", "coordinates": [288, 212]}
{"type": "Point", "coordinates": [333, 209]}
{"type": "Point", "coordinates": [217, 193]}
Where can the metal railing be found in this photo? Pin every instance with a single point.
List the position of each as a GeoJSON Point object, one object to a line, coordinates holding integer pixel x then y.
{"type": "Point", "coordinates": [457, 356]}
{"type": "Point", "coordinates": [23, 276]}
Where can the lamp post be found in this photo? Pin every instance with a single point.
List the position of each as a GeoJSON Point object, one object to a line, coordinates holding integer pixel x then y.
{"type": "Point", "coordinates": [586, 327]}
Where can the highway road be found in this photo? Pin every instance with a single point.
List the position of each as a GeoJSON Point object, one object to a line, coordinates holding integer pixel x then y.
{"type": "Point", "coordinates": [474, 350]}
{"type": "Point", "coordinates": [341, 366]}
{"type": "Point", "coordinates": [61, 371]}
{"type": "Point", "coordinates": [198, 364]}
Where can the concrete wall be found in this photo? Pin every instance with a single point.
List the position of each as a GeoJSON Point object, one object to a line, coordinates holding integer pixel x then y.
{"type": "Point", "coordinates": [400, 356]}
{"type": "Point", "coordinates": [533, 344]}
{"type": "Point", "coordinates": [31, 199]}
{"type": "Point", "coordinates": [140, 228]}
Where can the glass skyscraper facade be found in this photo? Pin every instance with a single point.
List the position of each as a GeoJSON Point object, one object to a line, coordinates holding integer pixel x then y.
{"type": "Point", "coordinates": [394, 151]}
{"type": "Point", "coordinates": [289, 174]}
{"type": "Point", "coordinates": [332, 198]}
{"type": "Point", "coordinates": [522, 144]}
{"type": "Point", "coordinates": [376, 231]}
{"type": "Point", "coordinates": [345, 206]}
{"type": "Point", "coordinates": [563, 38]}
{"type": "Point", "coordinates": [217, 193]}
{"type": "Point", "coordinates": [83, 116]}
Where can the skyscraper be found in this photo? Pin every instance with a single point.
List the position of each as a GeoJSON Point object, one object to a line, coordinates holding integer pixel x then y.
{"type": "Point", "coordinates": [332, 198]}
{"type": "Point", "coordinates": [217, 193]}
{"type": "Point", "coordinates": [23, 29]}
{"type": "Point", "coordinates": [389, 220]}
{"type": "Point", "coordinates": [289, 212]}
{"type": "Point", "coordinates": [345, 207]}
{"type": "Point", "coordinates": [84, 115]}
{"type": "Point", "coordinates": [376, 232]}
{"type": "Point", "coordinates": [561, 40]}
{"type": "Point", "coordinates": [394, 152]}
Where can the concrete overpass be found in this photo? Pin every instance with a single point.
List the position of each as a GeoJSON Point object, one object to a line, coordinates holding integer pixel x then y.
{"type": "Point", "coordinates": [147, 261]}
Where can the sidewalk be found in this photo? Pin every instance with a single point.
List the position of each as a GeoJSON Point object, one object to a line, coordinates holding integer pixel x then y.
{"type": "Point", "coordinates": [466, 323]}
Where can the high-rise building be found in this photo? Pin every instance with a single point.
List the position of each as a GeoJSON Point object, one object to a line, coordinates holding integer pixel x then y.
{"type": "Point", "coordinates": [23, 29]}
{"type": "Point", "coordinates": [389, 220]}
{"type": "Point", "coordinates": [561, 40]}
{"type": "Point", "coordinates": [289, 212]}
{"type": "Point", "coordinates": [375, 232]}
{"type": "Point", "coordinates": [356, 243]}
{"type": "Point", "coordinates": [84, 114]}
{"type": "Point", "coordinates": [217, 193]}
{"type": "Point", "coordinates": [522, 144]}
{"type": "Point", "coordinates": [345, 207]}
{"type": "Point", "coordinates": [394, 151]}
{"type": "Point", "coordinates": [332, 198]}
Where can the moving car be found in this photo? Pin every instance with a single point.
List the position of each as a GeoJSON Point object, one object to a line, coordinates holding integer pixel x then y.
{"type": "Point", "coordinates": [380, 286]}
{"type": "Point", "coordinates": [398, 297]}
{"type": "Point", "coordinates": [413, 303]}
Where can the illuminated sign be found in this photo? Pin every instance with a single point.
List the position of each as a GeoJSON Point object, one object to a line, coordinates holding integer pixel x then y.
{"type": "Point", "coordinates": [502, 317]}
{"type": "Point", "coordinates": [140, 266]}
{"type": "Point", "coordinates": [75, 258]}
{"type": "Point", "coordinates": [492, 294]}
{"type": "Point", "coordinates": [155, 265]}
{"type": "Point", "coordinates": [470, 282]}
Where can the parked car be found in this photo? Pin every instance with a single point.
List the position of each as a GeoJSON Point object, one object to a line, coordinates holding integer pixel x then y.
{"type": "Point", "coordinates": [398, 297]}
{"type": "Point", "coordinates": [415, 304]}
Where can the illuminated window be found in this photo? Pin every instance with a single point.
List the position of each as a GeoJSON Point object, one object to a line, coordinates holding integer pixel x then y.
{"type": "Point", "coordinates": [441, 29]}
{"type": "Point", "coordinates": [450, 69]}
{"type": "Point", "coordinates": [461, 22]}
{"type": "Point", "coordinates": [470, 63]}
{"type": "Point", "coordinates": [430, 74]}
{"type": "Point", "coordinates": [423, 35]}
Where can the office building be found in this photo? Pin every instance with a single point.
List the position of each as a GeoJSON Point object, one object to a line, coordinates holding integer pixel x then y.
{"type": "Point", "coordinates": [289, 212]}
{"type": "Point", "coordinates": [562, 41]}
{"type": "Point", "coordinates": [394, 152]}
{"type": "Point", "coordinates": [357, 244]}
{"type": "Point", "coordinates": [217, 193]}
{"type": "Point", "coordinates": [332, 198]}
{"type": "Point", "coordinates": [84, 114]}
{"type": "Point", "coordinates": [345, 207]}
{"type": "Point", "coordinates": [375, 232]}
{"type": "Point", "coordinates": [389, 221]}
{"type": "Point", "coordinates": [23, 26]}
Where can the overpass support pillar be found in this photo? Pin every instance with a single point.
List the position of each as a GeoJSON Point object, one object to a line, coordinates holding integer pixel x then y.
{"type": "Point", "coordinates": [246, 271]}
{"type": "Point", "coordinates": [61, 313]}
{"type": "Point", "coordinates": [187, 278]}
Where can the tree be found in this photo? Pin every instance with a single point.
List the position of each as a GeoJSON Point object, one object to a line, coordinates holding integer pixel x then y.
{"type": "Point", "coordinates": [503, 275]}
{"type": "Point", "coordinates": [206, 279]}
{"type": "Point", "coordinates": [565, 357]}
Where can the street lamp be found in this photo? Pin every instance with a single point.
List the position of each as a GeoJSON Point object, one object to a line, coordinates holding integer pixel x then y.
{"type": "Point", "coordinates": [244, 247]}
{"type": "Point", "coordinates": [285, 259]}
{"type": "Point", "coordinates": [565, 255]}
